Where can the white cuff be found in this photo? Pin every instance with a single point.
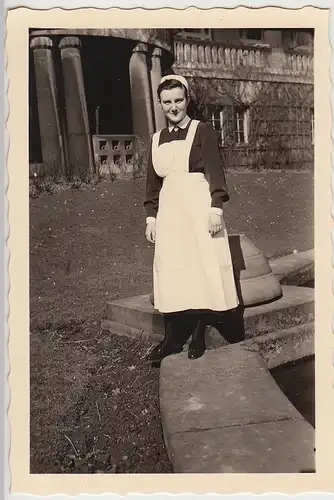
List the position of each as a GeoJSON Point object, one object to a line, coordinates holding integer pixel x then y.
{"type": "Point", "coordinates": [150, 219]}
{"type": "Point", "coordinates": [216, 210]}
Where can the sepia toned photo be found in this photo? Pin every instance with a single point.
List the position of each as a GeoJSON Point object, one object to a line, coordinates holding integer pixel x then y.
{"type": "Point", "coordinates": [172, 280]}
{"type": "Point", "coordinates": [232, 111]}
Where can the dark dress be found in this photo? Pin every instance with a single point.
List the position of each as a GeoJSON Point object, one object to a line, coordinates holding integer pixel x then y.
{"type": "Point", "coordinates": [204, 158]}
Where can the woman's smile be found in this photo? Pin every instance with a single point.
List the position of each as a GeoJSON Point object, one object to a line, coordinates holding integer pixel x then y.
{"type": "Point", "coordinates": [174, 104]}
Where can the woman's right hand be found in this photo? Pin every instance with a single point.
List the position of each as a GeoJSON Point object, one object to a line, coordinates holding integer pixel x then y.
{"type": "Point", "coordinates": [150, 230]}
{"type": "Point", "coordinates": [215, 224]}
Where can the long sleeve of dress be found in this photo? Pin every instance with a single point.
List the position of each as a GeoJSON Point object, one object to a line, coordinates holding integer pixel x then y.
{"type": "Point", "coordinates": [213, 167]}
{"type": "Point", "coordinates": [153, 187]}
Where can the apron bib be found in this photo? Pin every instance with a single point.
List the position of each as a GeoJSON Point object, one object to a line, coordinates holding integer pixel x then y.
{"type": "Point", "coordinates": [191, 269]}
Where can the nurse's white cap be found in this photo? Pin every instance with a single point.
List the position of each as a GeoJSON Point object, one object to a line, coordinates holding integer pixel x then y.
{"type": "Point", "coordinates": [179, 78]}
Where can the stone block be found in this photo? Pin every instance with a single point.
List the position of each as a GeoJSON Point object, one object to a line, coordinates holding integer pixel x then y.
{"type": "Point", "coordinates": [137, 312]}
{"type": "Point", "coordinates": [284, 346]}
{"type": "Point", "coordinates": [280, 447]}
{"type": "Point", "coordinates": [294, 269]}
{"type": "Point", "coordinates": [227, 387]}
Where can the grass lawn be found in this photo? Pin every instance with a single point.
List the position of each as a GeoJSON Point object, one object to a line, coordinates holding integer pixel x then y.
{"type": "Point", "coordinates": [87, 246]}
{"type": "Point", "coordinates": [94, 404]}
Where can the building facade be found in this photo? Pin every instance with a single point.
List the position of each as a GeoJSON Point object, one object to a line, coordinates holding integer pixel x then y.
{"type": "Point", "coordinates": [256, 87]}
{"type": "Point", "coordinates": [92, 93]}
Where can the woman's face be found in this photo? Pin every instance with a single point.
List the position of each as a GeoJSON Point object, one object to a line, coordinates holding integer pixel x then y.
{"type": "Point", "coordinates": [174, 104]}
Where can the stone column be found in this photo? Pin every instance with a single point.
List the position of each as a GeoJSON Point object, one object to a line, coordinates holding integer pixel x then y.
{"type": "Point", "coordinates": [142, 115]}
{"type": "Point", "coordinates": [78, 134]}
{"type": "Point", "coordinates": [47, 102]}
{"type": "Point", "coordinates": [156, 74]}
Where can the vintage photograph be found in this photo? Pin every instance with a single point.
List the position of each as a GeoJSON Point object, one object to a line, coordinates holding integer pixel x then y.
{"type": "Point", "coordinates": [171, 250]}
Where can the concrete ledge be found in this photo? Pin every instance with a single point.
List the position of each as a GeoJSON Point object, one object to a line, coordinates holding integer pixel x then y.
{"type": "Point", "coordinates": [134, 315]}
{"type": "Point", "coordinates": [268, 447]}
{"type": "Point", "coordinates": [136, 312]}
{"type": "Point", "coordinates": [225, 413]}
{"type": "Point", "coordinates": [295, 307]}
{"type": "Point", "coordinates": [284, 346]}
{"type": "Point", "coordinates": [128, 331]}
{"type": "Point", "coordinates": [276, 348]}
{"type": "Point", "coordinates": [294, 269]}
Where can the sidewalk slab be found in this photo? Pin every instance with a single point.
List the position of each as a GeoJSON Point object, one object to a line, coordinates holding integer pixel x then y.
{"type": "Point", "coordinates": [211, 405]}
{"type": "Point", "coordinates": [281, 447]}
{"type": "Point", "coordinates": [226, 387]}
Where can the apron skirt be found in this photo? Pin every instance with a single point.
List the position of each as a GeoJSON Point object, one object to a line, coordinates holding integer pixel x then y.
{"type": "Point", "coordinates": [191, 269]}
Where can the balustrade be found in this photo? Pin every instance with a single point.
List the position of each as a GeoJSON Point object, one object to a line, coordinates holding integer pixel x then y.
{"type": "Point", "coordinates": [199, 55]}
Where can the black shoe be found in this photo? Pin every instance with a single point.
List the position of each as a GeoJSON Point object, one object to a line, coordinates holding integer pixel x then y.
{"type": "Point", "coordinates": [156, 352]}
{"type": "Point", "coordinates": [197, 345]}
{"type": "Point", "coordinates": [164, 353]}
{"type": "Point", "coordinates": [163, 350]}
{"type": "Point", "coordinates": [196, 350]}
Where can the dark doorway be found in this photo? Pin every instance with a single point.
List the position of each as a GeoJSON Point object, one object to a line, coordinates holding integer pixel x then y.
{"type": "Point", "coordinates": [105, 62]}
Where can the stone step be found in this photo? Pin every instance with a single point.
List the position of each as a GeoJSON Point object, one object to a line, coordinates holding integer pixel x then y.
{"type": "Point", "coordinates": [294, 269]}
{"type": "Point", "coordinates": [284, 346]}
{"type": "Point", "coordinates": [296, 306]}
{"type": "Point", "coordinates": [224, 413]}
{"type": "Point", "coordinates": [136, 312]}
{"type": "Point", "coordinates": [136, 316]}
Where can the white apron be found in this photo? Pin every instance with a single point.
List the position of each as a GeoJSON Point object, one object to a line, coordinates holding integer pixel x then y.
{"type": "Point", "coordinates": [191, 269]}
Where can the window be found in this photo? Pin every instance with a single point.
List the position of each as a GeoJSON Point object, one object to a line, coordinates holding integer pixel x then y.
{"type": "Point", "coordinates": [195, 33]}
{"type": "Point", "coordinates": [217, 121]}
{"type": "Point", "coordinates": [294, 38]}
{"type": "Point", "coordinates": [241, 118]}
{"type": "Point", "coordinates": [312, 124]}
{"type": "Point", "coordinates": [196, 30]}
{"type": "Point", "coordinates": [300, 37]}
{"type": "Point", "coordinates": [251, 34]}
{"type": "Point", "coordinates": [231, 124]}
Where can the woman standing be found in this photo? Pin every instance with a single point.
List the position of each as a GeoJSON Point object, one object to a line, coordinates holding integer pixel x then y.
{"type": "Point", "coordinates": [185, 192]}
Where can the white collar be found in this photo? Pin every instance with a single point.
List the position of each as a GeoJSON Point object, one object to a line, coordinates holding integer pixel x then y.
{"type": "Point", "coordinates": [184, 125]}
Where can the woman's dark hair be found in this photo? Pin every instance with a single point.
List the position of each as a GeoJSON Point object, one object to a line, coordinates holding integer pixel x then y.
{"type": "Point", "coordinates": [171, 84]}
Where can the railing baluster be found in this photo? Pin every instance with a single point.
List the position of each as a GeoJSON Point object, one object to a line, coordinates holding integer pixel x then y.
{"type": "Point", "coordinates": [214, 55]}
{"type": "Point", "coordinates": [221, 59]}
{"type": "Point", "coordinates": [187, 59]}
{"type": "Point", "coordinates": [201, 55]}
{"type": "Point", "coordinates": [208, 59]}
{"type": "Point", "coordinates": [240, 58]}
{"type": "Point", "coordinates": [233, 57]}
{"type": "Point", "coordinates": [194, 54]}
{"type": "Point", "coordinates": [227, 57]}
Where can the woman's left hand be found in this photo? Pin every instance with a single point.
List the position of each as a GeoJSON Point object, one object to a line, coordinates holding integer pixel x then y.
{"type": "Point", "coordinates": [215, 224]}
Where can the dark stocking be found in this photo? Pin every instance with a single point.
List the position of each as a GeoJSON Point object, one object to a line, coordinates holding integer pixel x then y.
{"type": "Point", "coordinates": [197, 345]}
